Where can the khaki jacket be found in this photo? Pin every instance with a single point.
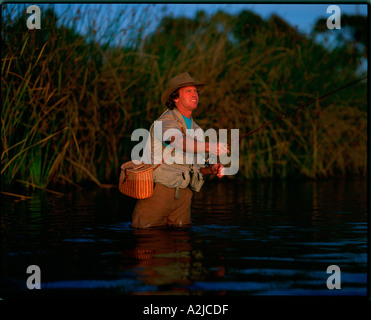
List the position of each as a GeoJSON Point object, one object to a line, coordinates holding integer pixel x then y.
{"type": "Point", "coordinates": [184, 171]}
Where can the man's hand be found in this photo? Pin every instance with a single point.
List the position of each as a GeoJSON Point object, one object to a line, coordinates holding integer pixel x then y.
{"type": "Point", "coordinates": [217, 169]}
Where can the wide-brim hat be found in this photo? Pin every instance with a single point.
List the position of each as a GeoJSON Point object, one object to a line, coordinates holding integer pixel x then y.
{"type": "Point", "coordinates": [179, 81]}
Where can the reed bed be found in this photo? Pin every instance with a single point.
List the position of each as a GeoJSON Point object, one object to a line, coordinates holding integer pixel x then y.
{"type": "Point", "coordinates": [71, 102]}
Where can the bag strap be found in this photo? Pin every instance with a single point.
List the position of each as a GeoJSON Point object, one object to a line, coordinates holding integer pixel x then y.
{"type": "Point", "coordinates": [184, 133]}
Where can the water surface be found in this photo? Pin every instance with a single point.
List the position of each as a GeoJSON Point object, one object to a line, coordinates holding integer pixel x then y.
{"type": "Point", "coordinates": [247, 238]}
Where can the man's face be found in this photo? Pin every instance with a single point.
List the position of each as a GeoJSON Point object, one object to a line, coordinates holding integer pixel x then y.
{"type": "Point", "coordinates": [188, 98]}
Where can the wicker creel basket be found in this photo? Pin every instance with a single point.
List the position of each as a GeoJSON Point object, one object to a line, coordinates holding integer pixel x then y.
{"type": "Point", "coordinates": [136, 180]}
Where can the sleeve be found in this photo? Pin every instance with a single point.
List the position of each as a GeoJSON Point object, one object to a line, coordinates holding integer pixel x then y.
{"type": "Point", "coordinates": [164, 127]}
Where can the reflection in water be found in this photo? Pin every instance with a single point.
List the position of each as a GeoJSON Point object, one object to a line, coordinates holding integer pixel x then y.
{"type": "Point", "coordinates": [163, 256]}
{"type": "Point", "coordinates": [248, 238]}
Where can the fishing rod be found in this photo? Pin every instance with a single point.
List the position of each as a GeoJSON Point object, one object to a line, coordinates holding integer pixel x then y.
{"type": "Point", "coordinates": [286, 114]}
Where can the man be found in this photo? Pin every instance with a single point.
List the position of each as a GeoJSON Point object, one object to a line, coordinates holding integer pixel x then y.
{"type": "Point", "coordinates": [170, 204]}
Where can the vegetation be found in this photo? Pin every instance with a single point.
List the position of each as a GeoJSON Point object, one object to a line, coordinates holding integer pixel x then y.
{"type": "Point", "coordinates": [71, 102]}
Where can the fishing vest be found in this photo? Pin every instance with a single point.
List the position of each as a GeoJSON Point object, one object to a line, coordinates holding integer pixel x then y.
{"type": "Point", "coordinates": [181, 173]}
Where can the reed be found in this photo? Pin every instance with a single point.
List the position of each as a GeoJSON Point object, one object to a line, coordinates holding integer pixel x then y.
{"type": "Point", "coordinates": [70, 103]}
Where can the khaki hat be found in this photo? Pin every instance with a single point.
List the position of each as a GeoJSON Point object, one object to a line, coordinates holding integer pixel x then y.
{"type": "Point", "coordinates": [179, 81]}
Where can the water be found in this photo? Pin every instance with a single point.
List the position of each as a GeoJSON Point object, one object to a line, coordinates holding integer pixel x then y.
{"type": "Point", "coordinates": [247, 238]}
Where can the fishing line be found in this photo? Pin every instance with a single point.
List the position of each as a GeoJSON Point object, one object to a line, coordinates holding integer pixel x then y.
{"type": "Point", "coordinates": [286, 114]}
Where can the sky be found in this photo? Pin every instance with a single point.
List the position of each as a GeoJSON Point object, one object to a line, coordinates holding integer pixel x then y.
{"type": "Point", "coordinates": [303, 15]}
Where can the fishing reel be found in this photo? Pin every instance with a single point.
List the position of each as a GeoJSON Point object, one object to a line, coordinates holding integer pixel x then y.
{"type": "Point", "coordinates": [212, 159]}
